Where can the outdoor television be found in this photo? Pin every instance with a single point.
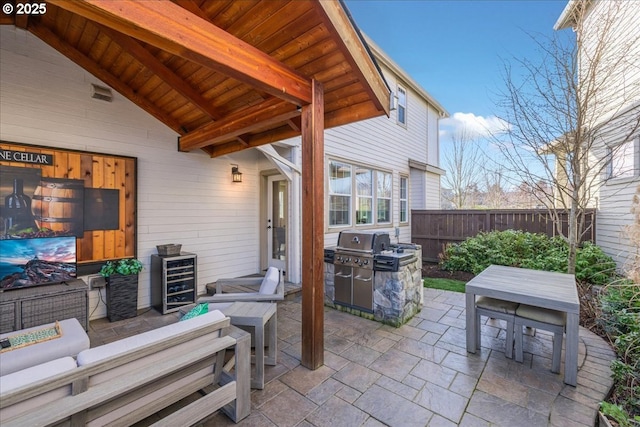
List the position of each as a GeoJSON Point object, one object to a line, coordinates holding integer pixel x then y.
{"type": "Point", "coordinates": [37, 261]}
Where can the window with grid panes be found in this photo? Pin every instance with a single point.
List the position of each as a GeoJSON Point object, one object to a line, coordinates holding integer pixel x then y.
{"type": "Point", "coordinates": [383, 197]}
{"type": "Point", "coordinates": [339, 193]}
{"type": "Point", "coordinates": [404, 199]}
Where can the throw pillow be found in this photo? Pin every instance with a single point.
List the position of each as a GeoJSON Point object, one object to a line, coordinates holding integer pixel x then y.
{"type": "Point", "coordinates": [270, 281]}
{"type": "Point", "coordinates": [196, 311]}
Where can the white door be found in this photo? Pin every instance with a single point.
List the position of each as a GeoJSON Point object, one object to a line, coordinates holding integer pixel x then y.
{"type": "Point", "coordinates": [277, 208]}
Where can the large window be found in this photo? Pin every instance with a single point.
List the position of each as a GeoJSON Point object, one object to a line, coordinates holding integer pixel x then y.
{"type": "Point", "coordinates": [404, 199]}
{"type": "Point", "coordinates": [359, 195]}
{"type": "Point", "coordinates": [624, 160]}
{"type": "Point", "coordinates": [402, 106]}
{"type": "Point", "coordinates": [339, 193]}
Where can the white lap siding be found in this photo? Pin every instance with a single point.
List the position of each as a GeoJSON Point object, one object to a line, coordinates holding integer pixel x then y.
{"type": "Point", "coordinates": [185, 198]}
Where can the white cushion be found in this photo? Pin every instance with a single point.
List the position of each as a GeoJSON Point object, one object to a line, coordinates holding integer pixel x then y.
{"type": "Point", "coordinates": [74, 339]}
{"type": "Point", "coordinates": [270, 281]}
{"type": "Point", "coordinates": [161, 334]}
{"type": "Point", "coordinates": [36, 373]}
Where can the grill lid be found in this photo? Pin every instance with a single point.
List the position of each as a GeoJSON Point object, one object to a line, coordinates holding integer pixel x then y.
{"type": "Point", "coordinates": [365, 241]}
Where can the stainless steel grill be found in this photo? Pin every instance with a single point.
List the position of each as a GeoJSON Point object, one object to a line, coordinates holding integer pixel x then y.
{"type": "Point", "coordinates": [354, 267]}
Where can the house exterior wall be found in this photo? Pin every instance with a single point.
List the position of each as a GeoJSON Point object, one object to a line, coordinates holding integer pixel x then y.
{"type": "Point", "coordinates": [185, 198]}
{"type": "Point", "coordinates": [611, 47]}
{"type": "Point", "coordinates": [615, 110]}
{"type": "Point", "coordinates": [383, 144]}
{"type": "Point", "coordinates": [189, 198]}
{"type": "Point", "coordinates": [614, 198]}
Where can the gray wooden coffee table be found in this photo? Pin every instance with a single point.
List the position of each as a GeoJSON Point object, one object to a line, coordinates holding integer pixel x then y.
{"type": "Point", "coordinates": [262, 317]}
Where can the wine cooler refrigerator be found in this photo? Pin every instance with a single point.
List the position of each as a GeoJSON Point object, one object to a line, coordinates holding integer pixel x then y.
{"type": "Point", "coordinates": [173, 281]}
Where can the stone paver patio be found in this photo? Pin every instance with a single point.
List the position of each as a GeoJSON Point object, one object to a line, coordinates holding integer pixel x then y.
{"type": "Point", "coordinates": [417, 375]}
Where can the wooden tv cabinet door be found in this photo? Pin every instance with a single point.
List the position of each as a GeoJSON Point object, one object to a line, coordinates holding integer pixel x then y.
{"type": "Point", "coordinates": [24, 308]}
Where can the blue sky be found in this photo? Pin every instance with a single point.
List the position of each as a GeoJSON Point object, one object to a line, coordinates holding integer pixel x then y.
{"type": "Point", "coordinates": [456, 49]}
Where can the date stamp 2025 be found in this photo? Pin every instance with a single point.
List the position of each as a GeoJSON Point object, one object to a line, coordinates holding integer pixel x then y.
{"type": "Point", "coordinates": [25, 8]}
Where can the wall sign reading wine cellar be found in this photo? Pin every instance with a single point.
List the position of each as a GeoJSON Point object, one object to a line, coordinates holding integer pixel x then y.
{"type": "Point", "coordinates": [25, 157]}
{"type": "Point", "coordinates": [55, 192]}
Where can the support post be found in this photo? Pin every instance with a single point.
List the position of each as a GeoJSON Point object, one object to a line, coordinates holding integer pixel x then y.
{"type": "Point", "coordinates": [313, 229]}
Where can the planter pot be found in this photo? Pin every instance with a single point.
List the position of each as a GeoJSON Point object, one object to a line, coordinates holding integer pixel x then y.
{"type": "Point", "coordinates": [122, 297]}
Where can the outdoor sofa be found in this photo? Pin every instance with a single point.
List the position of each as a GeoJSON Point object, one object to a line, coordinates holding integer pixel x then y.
{"type": "Point", "coordinates": [128, 380]}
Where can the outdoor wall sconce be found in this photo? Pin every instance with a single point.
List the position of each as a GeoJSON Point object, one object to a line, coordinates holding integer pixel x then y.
{"type": "Point", "coordinates": [236, 174]}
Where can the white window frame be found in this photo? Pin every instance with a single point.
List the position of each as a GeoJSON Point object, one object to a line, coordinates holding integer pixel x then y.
{"type": "Point", "coordinates": [355, 197]}
{"type": "Point", "coordinates": [624, 160]}
{"type": "Point", "coordinates": [404, 199]}
{"type": "Point", "coordinates": [401, 114]}
{"type": "Point", "coordinates": [334, 193]}
{"type": "Point", "coordinates": [364, 196]}
{"type": "Point", "coordinates": [380, 197]}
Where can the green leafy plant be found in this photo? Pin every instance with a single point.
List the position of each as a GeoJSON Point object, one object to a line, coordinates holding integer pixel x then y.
{"type": "Point", "coordinates": [618, 414]}
{"type": "Point", "coordinates": [527, 250]}
{"type": "Point", "coordinates": [620, 319]}
{"type": "Point", "coordinates": [125, 267]}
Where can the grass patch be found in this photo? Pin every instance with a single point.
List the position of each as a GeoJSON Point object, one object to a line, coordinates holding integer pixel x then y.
{"type": "Point", "coordinates": [444, 284]}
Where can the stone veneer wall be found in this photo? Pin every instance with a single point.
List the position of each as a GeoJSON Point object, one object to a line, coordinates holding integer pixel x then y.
{"type": "Point", "coordinates": [397, 296]}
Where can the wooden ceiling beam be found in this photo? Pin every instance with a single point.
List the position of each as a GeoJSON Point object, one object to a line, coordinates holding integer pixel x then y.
{"type": "Point", "coordinates": [244, 140]}
{"type": "Point", "coordinates": [192, 7]}
{"type": "Point", "coordinates": [357, 54]}
{"type": "Point", "coordinates": [268, 137]}
{"type": "Point", "coordinates": [174, 29]}
{"type": "Point", "coordinates": [146, 58]}
{"type": "Point", "coordinates": [295, 124]}
{"type": "Point", "coordinates": [256, 117]}
{"type": "Point", "coordinates": [91, 66]}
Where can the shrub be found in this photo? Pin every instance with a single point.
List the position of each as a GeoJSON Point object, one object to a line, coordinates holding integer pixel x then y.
{"type": "Point", "coordinates": [620, 318]}
{"type": "Point", "coordinates": [621, 321]}
{"type": "Point", "coordinates": [527, 250]}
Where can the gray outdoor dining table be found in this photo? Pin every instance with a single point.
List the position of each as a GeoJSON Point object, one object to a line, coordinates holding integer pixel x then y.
{"type": "Point", "coordinates": [556, 291]}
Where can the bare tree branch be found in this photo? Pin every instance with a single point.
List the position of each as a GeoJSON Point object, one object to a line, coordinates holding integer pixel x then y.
{"type": "Point", "coordinates": [571, 113]}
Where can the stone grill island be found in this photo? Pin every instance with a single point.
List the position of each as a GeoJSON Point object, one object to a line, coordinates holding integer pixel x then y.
{"type": "Point", "coordinates": [381, 281]}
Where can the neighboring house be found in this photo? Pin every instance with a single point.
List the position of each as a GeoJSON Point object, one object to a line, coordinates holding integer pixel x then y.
{"type": "Point", "coordinates": [616, 110]}
{"type": "Point", "coordinates": [189, 197]}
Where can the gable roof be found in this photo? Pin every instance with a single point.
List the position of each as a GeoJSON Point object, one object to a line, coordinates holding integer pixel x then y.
{"type": "Point", "coordinates": [383, 58]}
{"type": "Point", "coordinates": [225, 75]}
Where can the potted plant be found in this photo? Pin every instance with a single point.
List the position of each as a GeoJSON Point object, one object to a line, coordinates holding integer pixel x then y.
{"type": "Point", "coordinates": [123, 267]}
{"type": "Point", "coordinates": [122, 288]}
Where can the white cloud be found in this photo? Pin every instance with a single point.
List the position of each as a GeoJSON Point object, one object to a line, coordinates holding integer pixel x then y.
{"type": "Point", "coordinates": [476, 126]}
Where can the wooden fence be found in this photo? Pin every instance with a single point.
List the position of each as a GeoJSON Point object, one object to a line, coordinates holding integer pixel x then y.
{"type": "Point", "coordinates": [433, 229]}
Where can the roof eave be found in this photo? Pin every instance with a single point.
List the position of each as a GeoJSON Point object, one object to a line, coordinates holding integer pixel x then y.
{"type": "Point", "coordinates": [567, 17]}
{"type": "Point", "coordinates": [394, 67]}
{"type": "Point", "coordinates": [349, 33]}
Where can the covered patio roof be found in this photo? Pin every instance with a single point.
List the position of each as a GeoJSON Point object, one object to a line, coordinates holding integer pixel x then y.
{"type": "Point", "coordinates": [225, 75]}
{"type": "Point", "coordinates": [228, 75]}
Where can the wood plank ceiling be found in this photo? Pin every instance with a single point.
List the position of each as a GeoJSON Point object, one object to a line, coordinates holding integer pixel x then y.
{"type": "Point", "coordinates": [225, 75]}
